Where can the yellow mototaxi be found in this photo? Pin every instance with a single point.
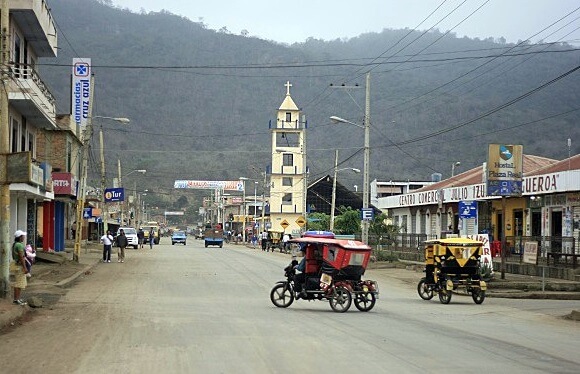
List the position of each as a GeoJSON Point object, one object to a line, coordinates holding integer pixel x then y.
{"type": "Point", "coordinates": [452, 264]}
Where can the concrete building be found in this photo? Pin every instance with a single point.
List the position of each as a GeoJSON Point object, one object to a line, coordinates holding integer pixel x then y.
{"type": "Point", "coordinates": [31, 112]}
{"type": "Point", "coordinates": [548, 210]}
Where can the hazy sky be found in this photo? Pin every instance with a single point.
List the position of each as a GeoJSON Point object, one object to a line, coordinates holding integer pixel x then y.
{"type": "Point", "coordinates": [295, 21]}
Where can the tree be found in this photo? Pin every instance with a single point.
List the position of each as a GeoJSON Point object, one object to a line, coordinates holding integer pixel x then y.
{"type": "Point", "coordinates": [383, 232]}
{"type": "Point", "coordinates": [348, 222]}
{"type": "Point", "coordinates": [181, 202]}
{"type": "Point", "coordinates": [318, 222]}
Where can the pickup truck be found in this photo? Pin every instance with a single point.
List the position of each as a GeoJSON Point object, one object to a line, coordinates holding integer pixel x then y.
{"type": "Point", "coordinates": [214, 237]}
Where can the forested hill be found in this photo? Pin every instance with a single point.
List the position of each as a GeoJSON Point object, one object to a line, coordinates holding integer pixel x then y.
{"type": "Point", "coordinates": [200, 100]}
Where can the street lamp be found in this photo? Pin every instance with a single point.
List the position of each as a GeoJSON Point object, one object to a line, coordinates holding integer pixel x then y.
{"type": "Point", "coordinates": [83, 179]}
{"type": "Point", "coordinates": [453, 168]}
{"type": "Point", "coordinates": [244, 179]}
{"type": "Point", "coordinates": [366, 127]}
{"type": "Point", "coordinates": [255, 199]}
{"type": "Point", "coordinates": [141, 171]}
{"type": "Point", "coordinates": [333, 204]}
{"type": "Point", "coordinates": [122, 120]}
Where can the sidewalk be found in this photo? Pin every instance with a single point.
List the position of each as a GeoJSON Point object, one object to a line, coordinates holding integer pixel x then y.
{"type": "Point", "coordinates": [48, 281]}
{"type": "Point", "coordinates": [514, 286]}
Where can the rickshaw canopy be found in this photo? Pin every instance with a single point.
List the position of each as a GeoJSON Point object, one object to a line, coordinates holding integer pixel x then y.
{"type": "Point", "coordinates": [344, 243]}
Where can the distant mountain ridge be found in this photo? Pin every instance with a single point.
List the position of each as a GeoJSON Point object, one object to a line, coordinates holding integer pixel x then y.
{"type": "Point", "coordinates": [200, 100]}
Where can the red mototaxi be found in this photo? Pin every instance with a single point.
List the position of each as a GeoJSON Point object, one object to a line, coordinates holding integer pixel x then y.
{"type": "Point", "coordinates": [342, 262]}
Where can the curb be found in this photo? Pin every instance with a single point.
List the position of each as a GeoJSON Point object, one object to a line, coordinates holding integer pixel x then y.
{"type": "Point", "coordinates": [65, 282]}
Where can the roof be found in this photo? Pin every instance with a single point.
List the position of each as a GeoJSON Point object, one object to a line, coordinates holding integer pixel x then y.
{"type": "Point", "coordinates": [288, 104]}
{"type": "Point", "coordinates": [346, 244]}
{"type": "Point", "coordinates": [531, 164]}
{"type": "Point", "coordinates": [455, 241]}
{"type": "Point", "coordinates": [319, 195]}
{"type": "Point", "coordinates": [571, 163]}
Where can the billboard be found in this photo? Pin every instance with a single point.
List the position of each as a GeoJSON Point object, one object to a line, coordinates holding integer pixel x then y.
{"type": "Point", "coordinates": [504, 170]}
{"type": "Point", "coordinates": [236, 185]}
{"type": "Point", "coordinates": [81, 90]}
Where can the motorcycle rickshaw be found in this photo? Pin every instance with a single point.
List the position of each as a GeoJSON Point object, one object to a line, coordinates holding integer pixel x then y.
{"type": "Point", "coordinates": [333, 271]}
{"type": "Point", "coordinates": [451, 264]}
{"type": "Point", "coordinates": [274, 240]}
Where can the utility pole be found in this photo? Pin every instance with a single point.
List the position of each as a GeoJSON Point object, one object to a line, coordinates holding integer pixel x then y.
{"type": "Point", "coordinates": [122, 204]}
{"type": "Point", "coordinates": [367, 153]}
{"type": "Point", "coordinates": [4, 150]}
{"type": "Point", "coordinates": [105, 213]}
{"type": "Point", "coordinates": [333, 203]}
{"type": "Point", "coordinates": [87, 133]}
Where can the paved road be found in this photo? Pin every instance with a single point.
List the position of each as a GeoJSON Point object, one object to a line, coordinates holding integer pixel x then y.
{"type": "Point", "coordinates": [189, 309]}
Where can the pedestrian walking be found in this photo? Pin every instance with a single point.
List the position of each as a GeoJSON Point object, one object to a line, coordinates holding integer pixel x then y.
{"type": "Point", "coordinates": [122, 243]}
{"type": "Point", "coordinates": [254, 240]}
{"type": "Point", "coordinates": [264, 240]}
{"type": "Point", "coordinates": [140, 237]}
{"type": "Point", "coordinates": [107, 241]}
{"type": "Point", "coordinates": [18, 267]}
{"type": "Point", "coordinates": [151, 239]}
{"type": "Point", "coordinates": [285, 240]}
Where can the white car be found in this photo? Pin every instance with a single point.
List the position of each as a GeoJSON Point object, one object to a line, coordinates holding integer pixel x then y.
{"type": "Point", "coordinates": [131, 235]}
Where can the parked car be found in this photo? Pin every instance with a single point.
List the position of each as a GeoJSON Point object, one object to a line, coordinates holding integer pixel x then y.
{"type": "Point", "coordinates": [131, 235]}
{"type": "Point", "coordinates": [178, 237]}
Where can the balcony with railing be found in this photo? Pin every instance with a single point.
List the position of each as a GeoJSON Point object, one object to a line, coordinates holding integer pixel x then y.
{"type": "Point", "coordinates": [30, 96]}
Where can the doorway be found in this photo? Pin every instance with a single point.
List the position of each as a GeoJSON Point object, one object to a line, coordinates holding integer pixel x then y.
{"type": "Point", "coordinates": [556, 231]}
{"type": "Point", "coordinates": [536, 223]}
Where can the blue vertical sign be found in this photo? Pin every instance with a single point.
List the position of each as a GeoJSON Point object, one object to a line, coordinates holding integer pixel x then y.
{"type": "Point", "coordinates": [468, 209]}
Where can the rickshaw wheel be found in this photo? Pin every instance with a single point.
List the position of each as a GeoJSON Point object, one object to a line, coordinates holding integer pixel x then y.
{"type": "Point", "coordinates": [340, 300]}
{"type": "Point", "coordinates": [424, 291]}
{"type": "Point", "coordinates": [282, 295]}
{"type": "Point", "coordinates": [365, 301]}
{"type": "Point", "coordinates": [445, 296]}
{"type": "Point", "coordinates": [478, 296]}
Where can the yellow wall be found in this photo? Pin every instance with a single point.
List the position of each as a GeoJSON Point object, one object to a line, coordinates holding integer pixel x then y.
{"type": "Point", "coordinates": [511, 205]}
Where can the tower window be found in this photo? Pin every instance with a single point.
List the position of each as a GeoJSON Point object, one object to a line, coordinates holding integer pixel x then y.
{"type": "Point", "coordinates": [288, 159]}
{"type": "Point", "coordinates": [288, 117]}
{"type": "Point", "coordinates": [287, 181]}
{"type": "Point", "coordinates": [287, 199]}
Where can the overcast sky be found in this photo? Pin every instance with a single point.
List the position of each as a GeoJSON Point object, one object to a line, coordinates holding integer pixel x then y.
{"type": "Point", "coordinates": [295, 21]}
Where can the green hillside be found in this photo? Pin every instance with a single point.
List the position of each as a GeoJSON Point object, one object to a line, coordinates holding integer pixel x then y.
{"type": "Point", "coordinates": [200, 100]}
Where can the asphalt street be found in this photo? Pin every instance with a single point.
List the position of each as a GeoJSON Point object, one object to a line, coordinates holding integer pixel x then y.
{"type": "Point", "coordinates": [190, 309]}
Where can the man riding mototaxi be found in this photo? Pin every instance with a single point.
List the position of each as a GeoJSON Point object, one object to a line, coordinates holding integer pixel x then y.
{"type": "Point", "coordinates": [309, 266]}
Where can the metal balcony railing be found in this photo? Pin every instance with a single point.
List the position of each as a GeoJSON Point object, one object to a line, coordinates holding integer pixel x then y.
{"type": "Point", "coordinates": [27, 73]}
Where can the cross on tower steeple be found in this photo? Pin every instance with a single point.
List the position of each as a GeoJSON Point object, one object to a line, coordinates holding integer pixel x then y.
{"type": "Point", "coordinates": [288, 85]}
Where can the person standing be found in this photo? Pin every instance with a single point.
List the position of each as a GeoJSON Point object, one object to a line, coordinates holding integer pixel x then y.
{"type": "Point", "coordinates": [151, 238]}
{"type": "Point", "coordinates": [18, 267]}
{"type": "Point", "coordinates": [285, 240]}
{"type": "Point", "coordinates": [141, 237]}
{"type": "Point", "coordinates": [264, 240]}
{"type": "Point", "coordinates": [254, 240]}
{"type": "Point", "coordinates": [107, 241]}
{"type": "Point", "coordinates": [122, 243]}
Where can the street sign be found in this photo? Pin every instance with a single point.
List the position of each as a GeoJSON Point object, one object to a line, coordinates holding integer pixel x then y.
{"type": "Point", "coordinates": [300, 221]}
{"type": "Point", "coordinates": [367, 214]}
{"type": "Point", "coordinates": [284, 224]}
{"type": "Point", "coordinates": [114, 194]}
{"type": "Point", "coordinates": [87, 213]}
{"type": "Point", "coordinates": [468, 209]}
